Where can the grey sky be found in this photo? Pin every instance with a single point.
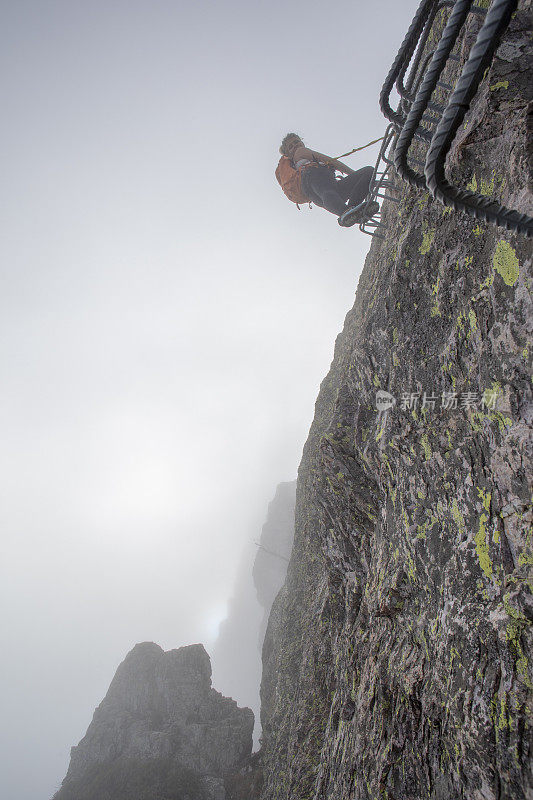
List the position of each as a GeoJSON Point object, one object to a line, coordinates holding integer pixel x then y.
{"type": "Point", "coordinates": [166, 318]}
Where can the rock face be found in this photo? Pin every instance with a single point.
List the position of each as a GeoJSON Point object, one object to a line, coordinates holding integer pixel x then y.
{"type": "Point", "coordinates": [161, 733]}
{"type": "Point", "coordinates": [277, 537]}
{"type": "Point", "coordinates": [236, 655]}
{"type": "Point", "coordinates": [396, 657]}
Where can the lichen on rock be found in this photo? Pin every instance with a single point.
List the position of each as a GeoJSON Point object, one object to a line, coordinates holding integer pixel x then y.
{"type": "Point", "coordinates": [395, 662]}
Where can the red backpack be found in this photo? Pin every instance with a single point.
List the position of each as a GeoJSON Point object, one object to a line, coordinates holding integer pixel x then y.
{"type": "Point", "coordinates": [290, 180]}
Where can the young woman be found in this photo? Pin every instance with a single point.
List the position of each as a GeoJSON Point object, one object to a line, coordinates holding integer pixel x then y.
{"type": "Point", "coordinates": [340, 197]}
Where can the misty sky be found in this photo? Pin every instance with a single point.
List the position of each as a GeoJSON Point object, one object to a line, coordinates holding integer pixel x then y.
{"type": "Point", "coordinates": [167, 316]}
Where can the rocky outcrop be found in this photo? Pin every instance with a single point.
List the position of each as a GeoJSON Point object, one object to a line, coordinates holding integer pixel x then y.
{"type": "Point", "coordinates": [161, 732]}
{"type": "Point", "coordinates": [396, 657]}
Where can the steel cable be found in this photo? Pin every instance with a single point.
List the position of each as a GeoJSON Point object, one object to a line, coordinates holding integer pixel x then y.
{"type": "Point", "coordinates": [423, 96]}
{"type": "Point", "coordinates": [404, 55]}
{"type": "Point", "coordinates": [475, 205]}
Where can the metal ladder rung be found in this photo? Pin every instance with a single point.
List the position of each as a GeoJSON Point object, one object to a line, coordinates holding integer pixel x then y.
{"type": "Point", "coordinates": [372, 233]}
{"type": "Point", "coordinates": [425, 135]}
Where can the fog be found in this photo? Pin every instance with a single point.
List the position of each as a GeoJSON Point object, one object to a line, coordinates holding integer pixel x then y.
{"type": "Point", "coordinates": [167, 316]}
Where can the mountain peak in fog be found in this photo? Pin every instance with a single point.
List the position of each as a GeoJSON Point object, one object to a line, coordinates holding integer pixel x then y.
{"type": "Point", "coordinates": [161, 728]}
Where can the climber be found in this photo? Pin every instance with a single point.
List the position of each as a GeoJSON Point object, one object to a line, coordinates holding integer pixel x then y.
{"type": "Point", "coordinates": [308, 176]}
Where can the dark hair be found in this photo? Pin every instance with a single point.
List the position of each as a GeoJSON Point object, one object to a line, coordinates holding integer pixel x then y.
{"type": "Point", "coordinates": [286, 139]}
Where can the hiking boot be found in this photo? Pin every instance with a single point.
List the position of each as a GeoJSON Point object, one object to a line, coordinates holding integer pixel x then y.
{"type": "Point", "coordinates": [358, 214]}
{"type": "Point", "coordinates": [351, 216]}
{"type": "Point", "coordinates": [371, 209]}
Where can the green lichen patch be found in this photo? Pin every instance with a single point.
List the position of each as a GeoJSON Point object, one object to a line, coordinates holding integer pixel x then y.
{"type": "Point", "coordinates": [487, 187]}
{"type": "Point", "coordinates": [506, 262]}
{"type": "Point", "coordinates": [457, 516]}
{"type": "Point", "coordinates": [424, 441]}
{"type": "Point", "coordinates": [482, 547]}
{"type": "Point", "coordinates": [427, 240]}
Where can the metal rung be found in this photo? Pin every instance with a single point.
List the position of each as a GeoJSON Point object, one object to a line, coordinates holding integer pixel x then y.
{"type": "Point", "coordinates": [453, 57]}
{"type": "Point", "coordinates": [370, 233]}
{"type": "Point", "coordinates": [424, 134]}
{"type": "Point", "coordinates": [416, 161]}
{"type": "Point", "coordinates": [387, 197]}
{"type": "Point", "coordinates": [443, 85]}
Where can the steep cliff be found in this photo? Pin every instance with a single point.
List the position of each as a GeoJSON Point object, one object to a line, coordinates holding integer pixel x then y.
{"type": "Point", "coordinates": [277, 536]}
{"type": "Point", "coordinates": [236, 655]}
{"type": "Point", "coordinates": [395, 660]}
{"type": "Point", "coordinates": [161, 732]}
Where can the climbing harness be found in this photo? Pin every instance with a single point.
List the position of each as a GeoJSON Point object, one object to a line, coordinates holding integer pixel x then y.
{"type": "Point", "coordinates": [431, 109]}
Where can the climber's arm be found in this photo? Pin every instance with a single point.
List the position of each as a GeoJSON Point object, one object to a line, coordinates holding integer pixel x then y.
{"type": "Point", "coordinates": [333, 161]}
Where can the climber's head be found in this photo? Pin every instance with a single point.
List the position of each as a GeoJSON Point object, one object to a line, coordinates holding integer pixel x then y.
{"type": "Point", "coordinates": [289, 144]}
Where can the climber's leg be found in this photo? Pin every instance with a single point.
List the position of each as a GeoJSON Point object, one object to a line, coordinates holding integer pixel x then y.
{"type": "Point", "coordinates": [354, 188]}
{"type": "Point", "coordinates": [321, 187]}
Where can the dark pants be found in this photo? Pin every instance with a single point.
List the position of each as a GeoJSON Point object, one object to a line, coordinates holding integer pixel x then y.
{"type": "Point", "coordinates": [323, 189]}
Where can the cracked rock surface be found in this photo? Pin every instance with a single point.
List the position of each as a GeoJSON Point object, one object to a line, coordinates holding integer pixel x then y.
{"type": "Point", "coordinates": [395, 663]}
